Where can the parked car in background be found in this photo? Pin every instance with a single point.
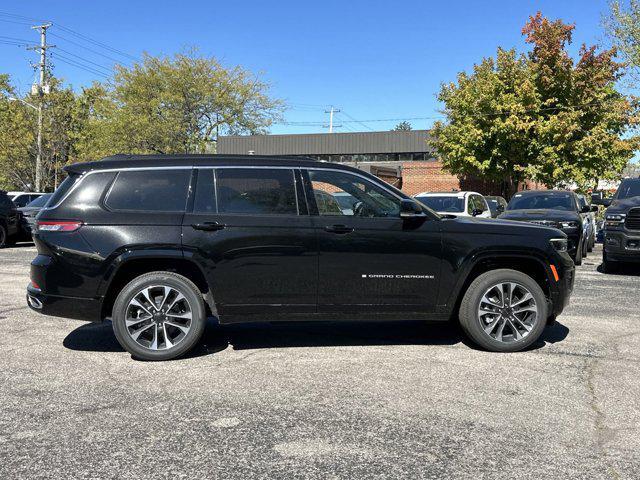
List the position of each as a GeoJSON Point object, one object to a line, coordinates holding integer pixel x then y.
{"type": "Point", "coordinates": [457, 204]}
{"type": "Point", "coordinates": [28, 214]}
{"type": "Point", "coordinates": [497, 204]}
{"type": "Point", "coordinates": [9, 220]}
{"type": "Point", "coordinates": [21, 199]}
{"type": "Point", "coordinates": [622, 225]}
{"type": "Point", "coordinates": [552, 208]}
{"type": "Point", "coordinates": [159, 243]}
{"type": "Point", "coordinates": [590, 224]}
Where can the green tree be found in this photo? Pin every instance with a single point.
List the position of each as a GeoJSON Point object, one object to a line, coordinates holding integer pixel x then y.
{"type": "Point", "coordinates": [176, 105]}
{"type": "Point", "coordinates": [402, 127]}
{"type": "Point", "coordinates": [623, 26]}
{"type": "Point", "coordinates": [539, 116]}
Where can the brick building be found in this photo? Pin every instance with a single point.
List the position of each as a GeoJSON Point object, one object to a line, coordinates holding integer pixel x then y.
{"type": "Point", "coordinates": [408, 151]}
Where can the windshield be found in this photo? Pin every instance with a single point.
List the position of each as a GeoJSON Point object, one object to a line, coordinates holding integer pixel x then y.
{"type": "Point", "coordinates": [551, 201]}
{"type": "Point", "coordinates": [443, 203]}
{"type": "Point", "coordinates": [628, 189]}
{"type": "Point", "coordinates": [40, 201]}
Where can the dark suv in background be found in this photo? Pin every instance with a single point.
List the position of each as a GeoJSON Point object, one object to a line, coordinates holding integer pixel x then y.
{"type": "Point", "coordinates": [9, 220]}
{"type": "Point", "coordinates": [622, 225]}
{"type": "Point", "coordinates": [559, 209]}
{"type": "Point", "coordinates": [159, 243]}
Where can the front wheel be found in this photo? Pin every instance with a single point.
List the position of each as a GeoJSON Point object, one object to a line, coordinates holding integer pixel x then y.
{"type": "Point", "coordinates": [577, 259]}
{"type": "Point", "coordinates": [503, 311]}
{"type": "Point", "coordinates": [159, 316]}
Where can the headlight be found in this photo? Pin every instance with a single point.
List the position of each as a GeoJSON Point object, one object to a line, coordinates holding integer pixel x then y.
{"type": "Point", "coordinates": [571, 224]}
{"type": "Point", "coordinates": [560, 244]}
{"type": "Point", "coordinates": [614, 219]}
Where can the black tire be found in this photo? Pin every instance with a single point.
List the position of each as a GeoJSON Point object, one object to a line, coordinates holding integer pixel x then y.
{"type": "Point", "coordinates": [471, 322]}
{"type": "Point", "coordinates": [4, 236]}
{"type": "Point", "coordinates": [608, 266]}
{"type": "Point", "coordinates": [177, 282]}
{"type": "Point", "coordinates": [577, 259]}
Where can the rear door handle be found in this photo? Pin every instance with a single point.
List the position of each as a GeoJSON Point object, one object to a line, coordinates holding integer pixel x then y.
{"type": "Point", "coordinates": [339, 229]}
{"type": "Point", "coordinates": [208, 226]}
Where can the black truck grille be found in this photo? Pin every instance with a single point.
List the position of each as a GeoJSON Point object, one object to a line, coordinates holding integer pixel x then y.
{"type": "Point", "coordinates": [633, 219]}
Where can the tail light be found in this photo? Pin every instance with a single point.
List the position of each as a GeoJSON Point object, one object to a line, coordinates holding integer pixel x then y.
{"type": "Point", "coordinates": [58, 226]}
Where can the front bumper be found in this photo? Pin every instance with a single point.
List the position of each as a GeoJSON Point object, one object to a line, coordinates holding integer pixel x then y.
{"type": "Point", "coordinates": [561, 290]}
{"type": "Point", "coordinates": [88, 309]}
{"type": "Point", "coordinates": [622, 246]}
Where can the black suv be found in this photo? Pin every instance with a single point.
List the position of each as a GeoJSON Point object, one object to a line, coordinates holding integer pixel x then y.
{"type": "Point", "coordinates": [559, 209]}
{"type": "Point", "coordinates": [159, 243]}
{"type": "Point", "coordinates": [622, 225]}
{"type": "Point", "coordinates": [9, 220]}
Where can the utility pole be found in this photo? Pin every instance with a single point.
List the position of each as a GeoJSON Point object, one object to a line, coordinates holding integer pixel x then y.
{"type": "Point", "coordinates": [41, 90]}
{"type": "Point", "coordinates": [331, 125]}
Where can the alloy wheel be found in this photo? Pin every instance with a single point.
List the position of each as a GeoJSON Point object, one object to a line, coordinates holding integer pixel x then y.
{"type": "Point", "coordinates": [158, 317]}
{"type": "Point", "coordinates": [507, 312]}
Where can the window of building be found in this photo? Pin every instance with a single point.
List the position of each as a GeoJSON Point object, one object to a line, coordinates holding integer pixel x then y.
{"type": "Point", "coordinates": [150, 190]}
{"type": "Point", "coordinates": [256, 191]}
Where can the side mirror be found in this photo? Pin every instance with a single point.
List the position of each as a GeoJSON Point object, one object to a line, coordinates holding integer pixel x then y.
{"type": "Point", "coordinates": [585, 209]}
{"type": "Point", "coordinates": [410, 209]}
{"type": "Point", "coordinates": [594, 208]}
{"type": "Point", "coordinates": [500, 208]}
{"type": "Point", "coordinates": [606, 202]}
{"type": "Point", "coordinates": [476, 211]}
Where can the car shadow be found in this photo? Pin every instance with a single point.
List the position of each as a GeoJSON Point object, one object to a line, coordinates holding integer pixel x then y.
{"type": "Point", "coordinates": [628, 269]}
{"type": "Point", "coordinates": [99, 337]}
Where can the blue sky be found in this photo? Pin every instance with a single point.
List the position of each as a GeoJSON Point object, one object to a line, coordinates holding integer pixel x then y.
{"type": "Point", "coordinates": [373, 60]}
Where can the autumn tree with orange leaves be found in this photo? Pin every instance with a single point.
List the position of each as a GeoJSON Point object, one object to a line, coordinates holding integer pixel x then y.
{"type": "Point", "coordinates": [541, 116]}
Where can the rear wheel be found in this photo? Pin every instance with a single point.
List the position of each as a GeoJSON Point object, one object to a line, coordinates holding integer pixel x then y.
{"type": "Point", "coordinates": [159, 316]}
{"type": "Point", "coordinates": [503, 311]}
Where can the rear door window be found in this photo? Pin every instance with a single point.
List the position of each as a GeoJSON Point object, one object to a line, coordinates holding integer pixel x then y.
{"type": "Point", "coordinates": [150, 190]}
{"type": "Point", "coordinates": [255, 191]}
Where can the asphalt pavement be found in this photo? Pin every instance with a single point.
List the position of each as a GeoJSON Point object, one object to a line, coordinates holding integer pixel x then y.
{"type": "Point", "coordinates": [331, 400]}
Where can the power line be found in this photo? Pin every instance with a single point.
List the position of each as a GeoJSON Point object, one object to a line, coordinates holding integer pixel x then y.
{"type": "Point", "coordinates": [357, 121]}
{"type": "Point", "coordinates": [107, 69]}
{"type": "Point", "coordinates": [86, 48]}
{"type": "Point", "coordinates": [442, 115]}
{"type": "Point", "coordinates": [76, 64]}
{"type": "Point", "coordinates": [98, 43]}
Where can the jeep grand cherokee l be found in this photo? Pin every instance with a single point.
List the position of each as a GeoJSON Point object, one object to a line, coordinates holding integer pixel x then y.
{"type": "Point", "coordinates": [158, 243]}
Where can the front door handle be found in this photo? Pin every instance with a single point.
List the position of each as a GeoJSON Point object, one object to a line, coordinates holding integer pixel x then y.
{"type": "Point", "coordinates": [208, 226]}
{"type": "Point", "coordinates": [339, 229]}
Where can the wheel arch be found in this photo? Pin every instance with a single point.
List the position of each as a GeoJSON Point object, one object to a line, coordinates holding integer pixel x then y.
{"type": "Point", "coordinates": [130, 266]}
{"type": "Point", "coordinates": [531, 265]}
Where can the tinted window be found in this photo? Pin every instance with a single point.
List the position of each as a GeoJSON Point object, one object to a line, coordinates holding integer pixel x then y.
{"type": "Point", "coordinates": [359, 197]}
{"type": "Point", "coordinates": [63, 188]}
{"type": "Point", "coordinates": [628, 189]}
{"type": "Point", "coordinates": [21, 200]}
{"type": "Point", "coordinates": [552, 201]}
{"type": "Point", "coordinates": [256, 191]}
{"type": "Point", "coordinates": [150, 190]}
{"type": "Point", "coordinates": [443, 203]}
{"type": "Point", "coordinates": [41, 201]}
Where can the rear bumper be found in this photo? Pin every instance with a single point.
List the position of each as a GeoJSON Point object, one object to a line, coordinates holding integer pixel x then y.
{"type": "Point", "coordinates": [88, 309]}
{"type": "Point", "coordinates": [621, 246]}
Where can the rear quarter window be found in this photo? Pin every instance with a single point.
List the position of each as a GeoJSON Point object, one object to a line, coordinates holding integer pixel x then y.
{"type": "Point", "coordinates": [149, 190]}
{"type": "Point", "coordinates": [63, 188]}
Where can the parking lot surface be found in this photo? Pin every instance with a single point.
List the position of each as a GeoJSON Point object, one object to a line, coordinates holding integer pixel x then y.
{"type": "Point", "coordinates": [331, 400]}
